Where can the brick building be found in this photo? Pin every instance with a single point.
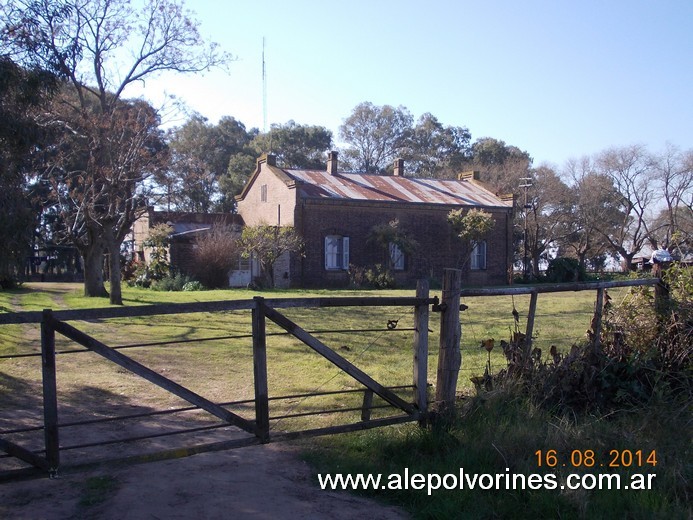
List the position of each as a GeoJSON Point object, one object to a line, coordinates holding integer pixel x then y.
{"type": "Point", "coordinates": [186, 227]}
{"type": "Point", "coordinates": [335, 212]}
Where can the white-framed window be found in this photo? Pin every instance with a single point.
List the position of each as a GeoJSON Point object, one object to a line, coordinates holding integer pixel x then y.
{"type": "Point", "coordinates": [336, 252]}
{"type": "Point", "coordinates": [396, 257]}
{"type": "Point", "coordinates": [478, 260]}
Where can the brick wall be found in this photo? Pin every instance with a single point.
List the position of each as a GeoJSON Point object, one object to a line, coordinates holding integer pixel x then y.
{"type": "Point", "coordinates": [269, 200]}
{"type": "Point", "coordinates": [438, 247]}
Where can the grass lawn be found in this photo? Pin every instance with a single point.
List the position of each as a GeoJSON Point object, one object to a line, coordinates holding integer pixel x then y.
{"type": "Point", "coordinates": [500, 432]}
{"type": "Point", "coordinates": [562, 319]}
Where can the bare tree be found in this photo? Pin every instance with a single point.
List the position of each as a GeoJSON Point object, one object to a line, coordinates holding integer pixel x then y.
{"type": "Point", "coordinates": [592, 207]}
{"type": "Point", "coordinates": [96, 168]}
{"type": "Point", "coordinates": [545, 211]}
{"type": "Point", "coordinates": [630, 170]}
{"type": "Point", "coordinates": [101, 47]}
{"type": "Point", "coordinates": [673, 170]}
{"type": "Point", "coordinates": [215, 254]}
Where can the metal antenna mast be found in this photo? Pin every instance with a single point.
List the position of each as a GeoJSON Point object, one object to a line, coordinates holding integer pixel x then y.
{"type": "Point", "coordinates": [264, 89]}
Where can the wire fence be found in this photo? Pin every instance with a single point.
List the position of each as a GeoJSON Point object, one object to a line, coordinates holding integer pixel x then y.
{"type": "Point", "coordinates": [561, 320]}
{"type": "Point", "coordinates": [102, 406]}
{"type": "Point", "coordinates": [211, 351]}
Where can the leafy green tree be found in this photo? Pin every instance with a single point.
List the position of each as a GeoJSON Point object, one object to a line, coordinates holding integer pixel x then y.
{"type": "Point", "coordinates": [22, 91]}
{"type": "Point", "coordinates": [200, 155]}
{"type": "Point", "coordinates": [295, 145]}
{"type": "Point", "coordinates": [241, 166]}
{"type": "Point", "coordinates": [435, 150]}
{"type": "Point", "coordinates": [376, 136]}
{"type": "Point", "coordinates": [266, 244]}
{"type": "Point", "coordinates": [501, 165]}
{"type": "Point", "coordinates": [473, 224]}
{"type": "Point", "coordinates": [159, 265]}
{"type": "Point", "coordinates": [546, 209]}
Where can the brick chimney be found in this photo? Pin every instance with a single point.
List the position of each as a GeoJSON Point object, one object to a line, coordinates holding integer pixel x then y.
{"type": "Point", "coordinates": [332, 163]}
{"type": "Point", "coordinates": [469, 175]}
{"type": "Point", "coordinates": [268, 158]}
{"type": "Point", "coordinates": [399, 168]}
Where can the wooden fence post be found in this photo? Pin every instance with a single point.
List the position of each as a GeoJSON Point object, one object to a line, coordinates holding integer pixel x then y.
{"type": "Point", "coordinates": [450, 357]}
{"type": "Point", "coordinates": [661, 289]}
{"type": "Point", "coordinates": [260, 370]}
{"type": "Point", "coordinates": [529, 331]}
{"type": "Point", "coordinates": [597, 320]}
{"type": "Point", "coordinates": [50, 393]}
{"type": "Point", "coordinates": [421, 351]}
{"type": "Point", "coordinates": [367, 404]}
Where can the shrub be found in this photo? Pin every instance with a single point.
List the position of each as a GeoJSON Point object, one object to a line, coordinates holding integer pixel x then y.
{"type": "Point", "coordinates": [216, 252]}
{"type": "Point", "coordinates": [159, 240]}
{"type": "Point", "coordinates": [377, 277]}
{"type": "Point", "coordinates": [193, 286]}
{"type": "Point", "coordinates": [380, 277]}
{"type": "Point", "coordinates": [643, 353]}
{"type": "Point", "coordinates": [9, 282]}
{"type": "Point", "coordinates": [564, 269]}
{"type": "Point", "coordinates": [174, 282]}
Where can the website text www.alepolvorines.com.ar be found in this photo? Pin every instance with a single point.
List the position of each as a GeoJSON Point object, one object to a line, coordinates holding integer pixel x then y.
{"type": "Point", "coordinates": [432, 482]}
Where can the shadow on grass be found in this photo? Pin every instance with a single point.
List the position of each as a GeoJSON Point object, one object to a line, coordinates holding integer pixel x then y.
{"type": "Point", "coordinates": [98, 424]}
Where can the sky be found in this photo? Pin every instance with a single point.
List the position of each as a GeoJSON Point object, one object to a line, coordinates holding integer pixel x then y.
{"type": "Point", "coordinates": [558, 79]}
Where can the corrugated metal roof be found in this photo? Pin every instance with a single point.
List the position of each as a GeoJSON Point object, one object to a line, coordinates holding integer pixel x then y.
{"type": "Point", "coordinates": [389, 188]}
{"type": "Point", "coordinates": [184, 228]}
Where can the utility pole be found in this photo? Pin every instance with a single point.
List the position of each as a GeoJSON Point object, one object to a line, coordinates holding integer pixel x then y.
{"type": "Point", "coordinates": [526, 184]}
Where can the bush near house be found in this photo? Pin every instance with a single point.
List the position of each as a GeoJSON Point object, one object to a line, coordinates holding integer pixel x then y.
{"type": "Point", "coordinates": [215, 253]}
{"type": "Point", "coordinates": [563, 269]}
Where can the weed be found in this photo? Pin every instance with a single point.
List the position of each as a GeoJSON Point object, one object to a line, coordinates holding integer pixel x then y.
{"type": "Point", "coordinates": [97, 490]}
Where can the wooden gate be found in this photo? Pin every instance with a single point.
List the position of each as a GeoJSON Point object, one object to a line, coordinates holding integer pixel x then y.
{"type": "Point", "coordinates": [257, 430]}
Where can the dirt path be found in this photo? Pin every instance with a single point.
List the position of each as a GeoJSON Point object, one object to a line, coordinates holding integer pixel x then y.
{"type": "Point", "coordinates": [258, 482]}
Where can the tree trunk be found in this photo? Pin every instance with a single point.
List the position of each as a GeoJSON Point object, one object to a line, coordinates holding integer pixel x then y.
{"type": "Point", "coordinates": [269, 274]}
{"type": "Point", "coordinates": [115, 275]}
{"type": "Point", "coordinates": [536, 272]}
{"type": "Point", "coordinates": [582, 260]}
{"type": "Point", "coordinates": [627, 263]}
{"type": "Point", "coordinates": [112, 246]}
{"type": "Point", "coordinates": [93, 270]}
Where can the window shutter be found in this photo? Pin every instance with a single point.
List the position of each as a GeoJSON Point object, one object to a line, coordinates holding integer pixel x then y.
{"type": "Point", "coordinates": [326, 252]}
{"type": "Point", "coordinates": [345, 252]}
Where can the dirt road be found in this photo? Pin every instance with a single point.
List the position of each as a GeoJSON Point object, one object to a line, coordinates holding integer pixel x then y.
{"type": "Point", "coordinates": [258, 482]}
